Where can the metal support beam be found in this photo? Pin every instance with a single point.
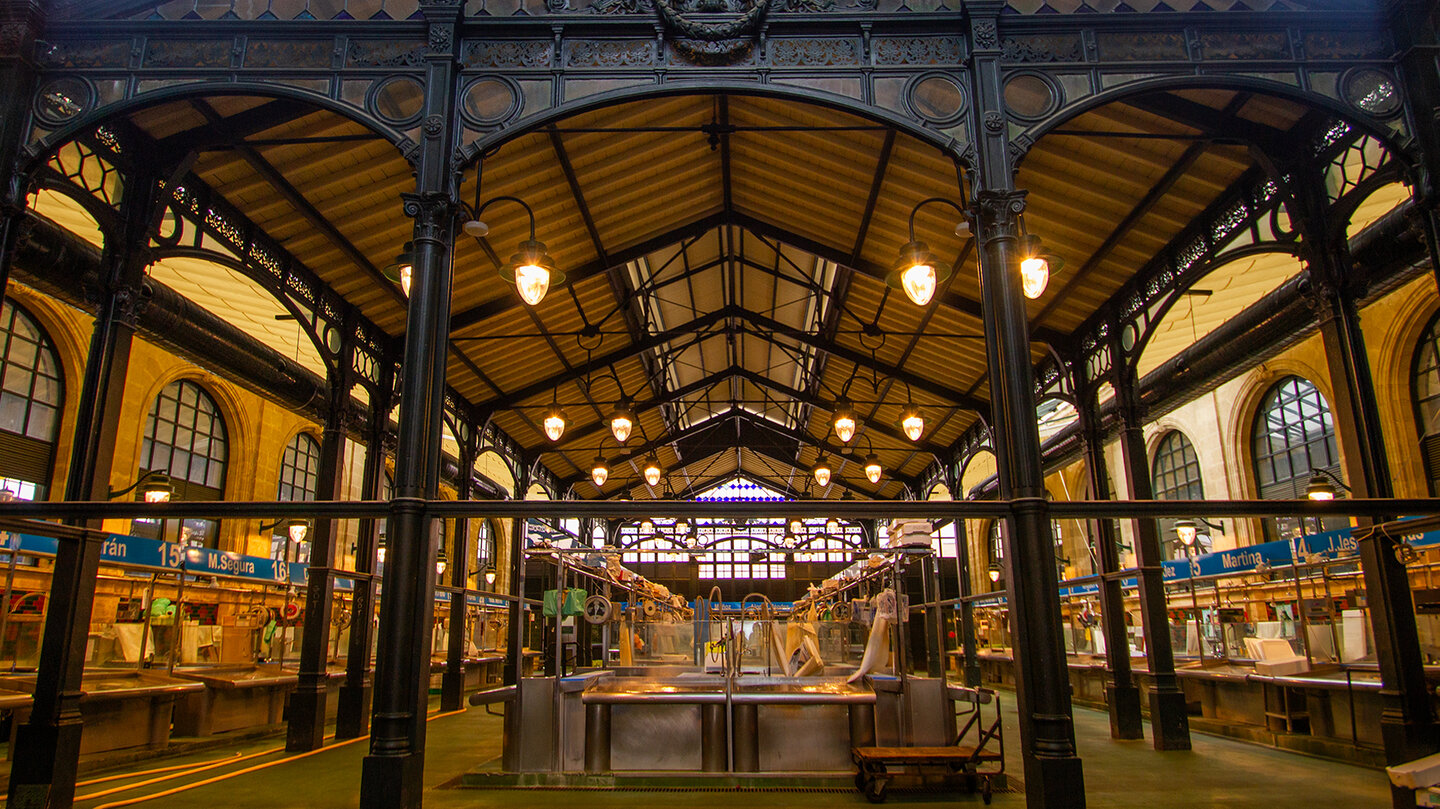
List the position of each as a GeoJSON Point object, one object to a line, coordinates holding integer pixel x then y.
{"type": "Point", "coordinates": [1122, 695]}
{"type": "Point", "coordinates": [1053, 775]}
{"type": "Point", "coordinates": [392, 775]}
{"type": "Point", "coordinates": [352, 717]}
{"type": "Point", "coordinates": [452, 682]}
{"type": "Point", "coordinates": [1169, 725]}
{"type": "Point", "coordinates": [307, 704]}
{"type": "Point", "coordinates": [46, 749]}
{"type": "Point", "coordinates": [1407, 720]}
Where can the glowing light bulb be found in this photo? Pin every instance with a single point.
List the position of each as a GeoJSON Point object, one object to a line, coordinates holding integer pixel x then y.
{"type": "Point", "coordinates": [652, 472]}
{"type": "Point", "coordinates": [822, 474]}
{"type": "Point", "coordinates": [912, 423]}
{"type": "Point", "coordinates": [918, 281]}
{"type": "Point", "coordinates": [599, 473]}
{"type": "Point", "coordinates": [873, 469]}
{"type": "Point", "coordinates": [554, 424]}
{"type": "Point", "coordinates": [1034, 276]}
{"type": "Point", "coordinates": [532, 281]}
{"type": "Point", "coordinates": [620, 425]}
{"type": "Point", "coordinates": [407, 271]}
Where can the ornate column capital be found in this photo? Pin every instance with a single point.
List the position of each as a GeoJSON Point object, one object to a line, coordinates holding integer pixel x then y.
{"type": "Point", "coordinates": [997, 214]}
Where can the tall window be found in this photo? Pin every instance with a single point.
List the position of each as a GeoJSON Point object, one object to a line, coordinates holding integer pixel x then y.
{"type": "Point", "coordinates": [1426, 375]}
{"type": "Point", "coordinates": [1294, 435]}
{"type": "Point", "coordinates": [299, 480]}
{"type": "Point", "coordinates": [31, 391]}
{"type": "Point", "coordinates": [185, 437]}
{"type": "Point", "coordinates": [1175, 474]}
{"type": "Point", "coordinates": [484, 545]}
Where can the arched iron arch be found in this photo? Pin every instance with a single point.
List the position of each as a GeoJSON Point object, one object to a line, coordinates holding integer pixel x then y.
{"type": "Point", "coordinates": [38, 151]}
{"type": "Point", "coordinates": [1238, 254]}
{"type": "Point", "coordinates": [477, 149]}
{"type": "Point", "coordinates": [1069, 112]}
{"type": "Point", "coordinates": [265, 281]}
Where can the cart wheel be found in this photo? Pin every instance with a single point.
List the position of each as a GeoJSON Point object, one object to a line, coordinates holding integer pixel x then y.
{"type": "Point", "coordinates": [860, 780]}
{"type": "Point", "coordinates": [985, 795]}
{"type": "Point", "coordinates": [875, 789]}
{"type": "Point", "coordinates": [597, 609]}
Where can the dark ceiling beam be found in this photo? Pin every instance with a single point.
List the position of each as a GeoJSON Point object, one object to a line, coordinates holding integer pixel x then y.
{"type": "Point", "coordinates": [477, 314]}
{"type": "Point", "coordinates": [302, 206]}
{"type": "Point", "coordinates": [866, 426]}
{"type": "Point", "coordinates": [636, 348]}
{"type": "Point", "coordinates": [952, 299]}
{"type": "Point", "coordinates": [1208, 120]}
{"type": "Point", "coordinates": [858, 358]}
{"type": "Point", "coordinates": [835, 480]}
{"type": "Point", "coordinates": [1142, 208]}
{"type": "Point", "coordinates": [638, 452]}
{"type": "Point", "coordinates": [723, 133]}
{"type": "Point", "coordinates": [233, 129]}
{"type": "Point", "coordinates": [567, 442]}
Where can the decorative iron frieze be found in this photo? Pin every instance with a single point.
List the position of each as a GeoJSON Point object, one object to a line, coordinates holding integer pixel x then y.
{"type": "Point", "coordinates": [507, 53]}
{"type": "Point", "coordinates": [1062, 48]}
{"type": "Point", "coordinates": [987, 34]}
{"type": "Point", "coordinates": [363, 53]}
{"type": "Point", "coordinates": [813, 52]}
{"type": "Point", "coordinates": [1151, 46]}
{"type": "Point", "coordinates": [1245, 45]}
{"type": "Point", "coordinates": [610, 53]}
{"type": "Point", "coordinates": [1347, 45]}
{"type": "Point", "coordinates": [290, 54]}
{"type": "Point", "coordinates": [917, 51]}
{"type": "Point", "coordinates": [189, 53]}
{"type": "Point", "coordinates": [72, 55]}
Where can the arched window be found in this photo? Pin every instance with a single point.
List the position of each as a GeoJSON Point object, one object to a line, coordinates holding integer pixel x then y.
{"type": "Point", "coordinates": [299, 480]}
{"type": "Point", "coordinates": [1425, 372]}
{"type": "Point", "coordinates": [185, 437]}
{"type": "Point", "coordinates": [31, 392]}
{"type": "Point", "coordinates": [1294, 435]}
{"type": "Point", "coordinates": [484, 546]}
{"type": "Point", "coordinates": [1175, 474]}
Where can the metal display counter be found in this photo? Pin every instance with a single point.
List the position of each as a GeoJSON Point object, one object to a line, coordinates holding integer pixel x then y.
{"type": "Point", "coordinates": [234, 697]}
{"type": "Point", "coordinates": [122, 708]}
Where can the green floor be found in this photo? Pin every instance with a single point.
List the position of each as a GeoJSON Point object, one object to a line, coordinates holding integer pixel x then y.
{"type": "Point", "coordinates": [1218, 772]}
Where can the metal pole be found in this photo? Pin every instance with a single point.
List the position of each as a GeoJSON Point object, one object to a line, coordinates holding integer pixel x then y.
{"type": "Point", "coordinates": [352, 716]}
{"type": "Point", "coordinates": [306, 729]}
{"type": "Point", "coordinates": [1169, 724]}
{"type": "Point", "coordinates": [46, 749]}
{"type": "Point", "coordinates": [1122, 694]}
{"type": "Point", "coordinates": [392, 776]}
{"type": "Point", "coordinates": [13, 540]}
{"type": "Point", "coordinates": [452, 682]}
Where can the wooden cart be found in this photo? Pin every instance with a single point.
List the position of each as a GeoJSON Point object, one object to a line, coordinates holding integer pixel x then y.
{"type": "Point", "coordinates": [977, 756]}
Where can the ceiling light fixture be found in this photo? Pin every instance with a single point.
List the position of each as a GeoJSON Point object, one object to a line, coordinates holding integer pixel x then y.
{"type": "Point", "coordinates": [822, 472]}
{"type": "Point", "coordinates": [554, 422]}
{"type": "Point", "coordinates": [622, 421]}
{"type": "Point", "coordinates": [402, 269]}
{"type": "Point", "coordinates": [873, 469]}
{"type": "Point", "coordinates": [912, 421]}
{"type": "Point", "coordinates": [916, 271]}
{"type": "Point", "coordinates": [155, 487]}
{"type": "Point", "coordinates": [652, 471]}
{"type": "Point", "coordinates": [599, 471]}
{"type": "Point", "coordinates": [1321, 485]}
{"type": "Point", "coordinates": [531, 269]}
{"type": "Point", "coordinates": [845, 420]}
{"type": "Point", "coordinates": [1036, 264]}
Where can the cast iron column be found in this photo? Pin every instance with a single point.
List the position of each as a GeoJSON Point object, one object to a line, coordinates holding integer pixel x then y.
{"type": "Point", "coordinates": [452, 682]}
{"type": "Point", "coordinates": [307, 703]}
{"type": "Point", "coordinates": [1169, 724]}
{"type": "Point", "coordinates": [1414, 25]}
{"type": "Point", "coordinates": [352, 716]}
{"type": "Point", "coordinates": [46, 750]}
{"type": "Point", "coordinates": [1407, 719]}
{"type": "Point", "coordinates": [515, 647]}
{"type": "Point", "coordinates": [21, 23]}
{"type": "Point", "coordinates": [393, 773]}
{"type": "Point", "coordinates": [1053, 774]}
{"type": "Point", "coordinates": [1122, 695]}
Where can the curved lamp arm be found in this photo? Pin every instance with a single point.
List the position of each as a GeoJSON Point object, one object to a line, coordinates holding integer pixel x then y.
{"type": "Point", "coordinates": [922, 203]}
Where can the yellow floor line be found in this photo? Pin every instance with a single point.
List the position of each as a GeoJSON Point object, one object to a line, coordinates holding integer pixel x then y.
{"type": "Point", "coordinates": [247, 770]}
{"type": "Point", "coordinates": [94, 781]}
{"type": "Point", "coordinates": [223, 763]}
